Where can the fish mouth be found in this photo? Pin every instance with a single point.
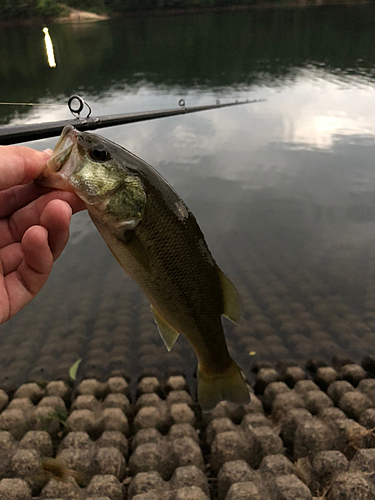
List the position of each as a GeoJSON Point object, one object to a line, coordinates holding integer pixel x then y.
{"type": "Point", "coordinates": [63, 162]}
{"type": "Point", "coordinates": [63, 149]}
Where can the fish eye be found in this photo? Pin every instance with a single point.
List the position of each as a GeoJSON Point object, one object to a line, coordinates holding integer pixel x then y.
{"type": "Point", "coordinates": [99, 154]}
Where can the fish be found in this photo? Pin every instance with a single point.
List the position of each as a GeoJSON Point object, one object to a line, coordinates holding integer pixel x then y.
{"type": "Point", "coordinates": [158, 242]}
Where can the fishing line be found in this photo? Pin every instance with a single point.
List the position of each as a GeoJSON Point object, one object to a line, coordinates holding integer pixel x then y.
{"type": "Point", "coordinates": [28, 104]}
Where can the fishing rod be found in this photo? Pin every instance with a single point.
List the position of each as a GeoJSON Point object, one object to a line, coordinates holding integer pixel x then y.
{"type": "Point", "coordinates": [32, 132]}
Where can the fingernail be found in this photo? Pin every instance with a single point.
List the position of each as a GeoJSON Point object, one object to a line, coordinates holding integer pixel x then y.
{"type": "Point", "coordinates": [48, 150]}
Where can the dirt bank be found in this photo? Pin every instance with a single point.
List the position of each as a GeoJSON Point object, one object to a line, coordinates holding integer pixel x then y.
{"type": "Point", "coordinates": [80, 16]}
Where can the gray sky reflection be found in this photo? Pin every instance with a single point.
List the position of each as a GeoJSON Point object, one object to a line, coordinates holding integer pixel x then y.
{"type": "Point", "coordinates": [296, 171]}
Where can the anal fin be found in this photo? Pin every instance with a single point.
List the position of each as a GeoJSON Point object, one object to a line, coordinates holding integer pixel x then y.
{"type": "Point", "coordinates": [167, 332]}
{"type": "Point", "coordinates": [233, 307]}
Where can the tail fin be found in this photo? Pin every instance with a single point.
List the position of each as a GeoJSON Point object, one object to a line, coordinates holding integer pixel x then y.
{"type": "Point", "coordinates": [228, 385]}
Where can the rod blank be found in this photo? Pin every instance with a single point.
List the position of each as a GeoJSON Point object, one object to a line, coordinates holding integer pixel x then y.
{"type": "Point", "coordinates": [23, 133]}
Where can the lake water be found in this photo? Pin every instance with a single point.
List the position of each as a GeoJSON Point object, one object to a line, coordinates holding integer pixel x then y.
{"type": "Point", "coordinates": [283, 190]}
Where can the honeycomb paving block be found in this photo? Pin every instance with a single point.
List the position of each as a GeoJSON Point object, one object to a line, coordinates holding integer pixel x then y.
{"type": "Point", "coordinates": [290, 422]}
{"type": "Point", "coordinates": [331, 414]}
{"type": "Point", "coordinates": [4, 399]}
{"type": "Point", "coordinates": [177, 431]}
{"type": "Point", "coordinates": [86, 402]}
{"type": "Point", "coordinates": [367, 418]}
{"type": "Point", "coordinates": [290, 487]}
{"type": "Point", "coordinates": [189, 493]}
{"type": "Point", "coordinates": [245, 491]}
{"type": "Point", "coordinates": [311, 437]}
{"type": "Point", "coordinates": [284, 402]}
{"type": "Point", "coordinates": [354, 404]}
{"type": "Point", "coordinates": [232, 411]}
{"type": "Point", "coordinates": [292, 375]}
{"type": "Point", "coordinates": [178, 396]}
{"type": "Point", "coordinates": [145, 436]}
{"type": "Point", "coordinates": [68, 490]}
{"type": "Point", "coordinates": [325, 466]}
{"type": "Point", "coordinates": [118, 400]}
{"type": "Point", "coordinates": [114, 419]}
{"type": "Point", "coordinates": [92, 387]}
{"type": "Point", "coordinates": [165, 443]}
{"type": "Point", "coordinates": [264, 377]}
{"type": "Point", "coordinates": [58, 388]}
{"type": "Point", "coordinates": [350, 485]}
{"type": "Point", "coordinates": [363, 461]}
{"type": "Point", "coordinates": [303, 386]}
{"type": "Point", "coordinates": [110, 460]}
{"type": "Point", "coordinates": [79, 460]}
{"type": "Point", "coordinates": [152, 496]}
{"type": "Point", "coordinates": [151, 417]}
{"type": "Point", "coordinates": [153, 456]}
{"type": "Point", "coordinates": [269, 442]}
{"type": "Point", "coordinates": [147, 482]}
{"type": "Point", "coordinates": [255, 420]}
{"type": "Point", "coordinates": [55, 402]}
{"type": "Point", "coordinates": [77, 439]}
{"type": "Point", "coordinates": [114, 439]}
{"type": "Point", "coordinates": [218, 425]}
{"type": "Point", "coordinates": [8, 447]}
{"type": "Point", "coordinates": [255, 406]}
{"type": "Point", "coordinates": [176, 383]}
{"type": "Point", "coordinates": [13, 421]}
{"type": "Point", "coordinates": [32, 391]}
{"type": "Point", "coordinates": [105, 485]}
{"type": "Point", "coordinates": [46, 418]}
{"type": "Point", "coordinates": [189, 475]}
{"type": "Point", "coordinates": [23, 404]}
{"type": "Point", "coordinates": [148, 385]}
{"type": "Point", "coordinates": [94, 498]}
{"type": "Point", "coordinates": [38, 440]}
{"type": "Point", "coordinates": [82, 420]}
{"type": "Point", "coordinates": [271, 391]}
{"type": "Point", "coordinates": [182, 413]}
{"type": "Point", "coordinates": [352, 437]}
{"type": "Point", "coordinates": [117, 385]}
{"type": "Point", "coordinates": [186, 451]}
{"type": "Point", "coordinates": [227, 447]}
{"type": "Point", "coordinates": [352, 373]}
{"type": "Point", "coordinates": [150, 399]}
{"type": "Point", "coordinates": [324, 376]}
{"type": "Point", "coordinates": [14, 489]}
{"type": "Point", "coordinates": [275, 465]}
{"type": "Point", "coordinates": [236, 471]}
{"type": "Point", "coordinates": [316, 401]}
{"type": "Point", "coordinates": [367, 386]}
{"type": "Point", "coordinates": [338, 388]}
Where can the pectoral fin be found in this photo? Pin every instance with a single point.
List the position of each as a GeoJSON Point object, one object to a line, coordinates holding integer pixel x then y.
{"type": "Point", "coordinates": [233, 307]}
{"type": "Point", "coordinates": [137, 250]}
{"type": "Point", "coordinates": [127, 238]}
{"type": "Point", "coordinates": [167, 332]}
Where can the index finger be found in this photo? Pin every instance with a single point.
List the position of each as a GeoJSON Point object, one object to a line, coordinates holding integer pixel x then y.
{"type": "Point", "coordinates": [20, 165]}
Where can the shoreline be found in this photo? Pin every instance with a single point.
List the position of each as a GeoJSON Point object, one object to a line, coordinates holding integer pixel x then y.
{"type": "Point", "coordinates": [78, 17]}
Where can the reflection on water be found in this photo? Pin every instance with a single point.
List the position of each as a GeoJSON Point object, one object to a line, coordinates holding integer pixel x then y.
{"type": "Point", "coordinates": [283, 190]}
{"type": "Point", "coordinates": [49, 48]}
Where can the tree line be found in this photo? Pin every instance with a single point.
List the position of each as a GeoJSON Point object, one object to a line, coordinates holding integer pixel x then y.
{"type": "Point", "coordinates": [23, 9]}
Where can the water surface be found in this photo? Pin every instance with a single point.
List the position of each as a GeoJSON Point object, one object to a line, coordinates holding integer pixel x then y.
{"type": "Point", "coordinates": [283, 190]}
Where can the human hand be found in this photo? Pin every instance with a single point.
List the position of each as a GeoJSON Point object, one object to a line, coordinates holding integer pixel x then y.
{"type": "Point", "coordinates": [34, 227]}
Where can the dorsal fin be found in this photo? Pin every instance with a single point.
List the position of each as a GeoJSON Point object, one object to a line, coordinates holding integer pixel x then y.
{"type": "Point", "coordinates": [167, 332]}
{"type": "Point", "coordinates": [233, 307]}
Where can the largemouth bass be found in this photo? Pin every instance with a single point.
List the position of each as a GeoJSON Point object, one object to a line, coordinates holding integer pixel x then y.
{"type": "Point", "coordinates": [157, 240]}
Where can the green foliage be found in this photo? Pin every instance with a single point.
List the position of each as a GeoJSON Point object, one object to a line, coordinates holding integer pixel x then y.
{"type": "Point", "coordinates": [74, 368]}
{"type": "Point", "coordinates": [48, 8]}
